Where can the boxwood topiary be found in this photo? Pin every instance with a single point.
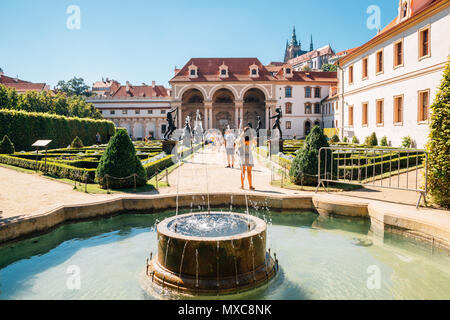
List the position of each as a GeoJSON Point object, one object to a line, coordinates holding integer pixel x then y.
{"type": "Point", "coordinates": [371, 140]}
{"type": "Point", "coordinates": [384, 141]}
{"type": "Point", "coordinates": [119, 163]}
{"type": "Point", "coordinates": [304, 167]}
{"type": "Point", "coordinates": [334, 138]}
{"type": "Point", "coordinates": [76, 143]}
{"type": "Point", "coordinates": [438, 145]}
{"type": "Point", "coordinates": [6, 146]}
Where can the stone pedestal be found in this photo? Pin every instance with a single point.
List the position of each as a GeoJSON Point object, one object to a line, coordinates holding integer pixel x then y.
{"type": "Point", "coordinates": [271, 144]}
{"type": "Point", "coordinates": [168, 145]}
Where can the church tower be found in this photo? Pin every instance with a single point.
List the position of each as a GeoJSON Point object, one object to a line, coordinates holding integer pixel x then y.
{"type": "Point", "coordinates": [293, 48]}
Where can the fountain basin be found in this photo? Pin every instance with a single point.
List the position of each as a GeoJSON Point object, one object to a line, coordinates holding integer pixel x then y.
{"type": "Point", "coordinates": [211, 253]}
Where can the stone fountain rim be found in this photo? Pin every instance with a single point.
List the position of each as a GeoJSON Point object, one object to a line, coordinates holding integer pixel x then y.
{"type": "Point", "coordinates": [260, 227]}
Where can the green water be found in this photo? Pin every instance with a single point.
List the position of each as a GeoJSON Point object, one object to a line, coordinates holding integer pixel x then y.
{"type": "Point", "coordinates": [320, 259]}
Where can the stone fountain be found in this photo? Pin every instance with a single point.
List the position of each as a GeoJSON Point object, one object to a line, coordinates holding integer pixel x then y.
{"type": "Point", "coordinates": [211, 254]}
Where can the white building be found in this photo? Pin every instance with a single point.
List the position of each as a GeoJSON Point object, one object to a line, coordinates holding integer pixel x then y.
{"type": "Point", "coordinates": [140, 109]}
{"type": "Point", "coordinates": [388, 84]}
{"type": "Point", "coordinates": [235, 91]}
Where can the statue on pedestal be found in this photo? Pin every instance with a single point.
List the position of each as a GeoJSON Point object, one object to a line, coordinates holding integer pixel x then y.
{"type": "Point", "coordinates": [171, 124]}
{"type": "Point", "coordinates": [277, 124]}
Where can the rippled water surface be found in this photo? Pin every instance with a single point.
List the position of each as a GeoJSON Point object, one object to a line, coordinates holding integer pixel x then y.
{"type": "Point", "coordinates": [211, 225]}
{"type": "Point", "coordinates": [320, 259]}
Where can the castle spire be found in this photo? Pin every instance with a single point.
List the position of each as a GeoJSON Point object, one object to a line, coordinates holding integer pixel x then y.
{"type": "Point", "coordinates": [311, 47]}
{"type": "Point", "coordinates": [294, 38]}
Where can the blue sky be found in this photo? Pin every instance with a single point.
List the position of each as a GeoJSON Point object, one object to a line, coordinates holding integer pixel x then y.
{"type": "Point", "coordinates": [143, 40]}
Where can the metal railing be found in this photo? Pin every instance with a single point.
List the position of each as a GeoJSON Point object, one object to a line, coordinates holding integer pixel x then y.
{"type": "Point", "coordinates": [374, 167]}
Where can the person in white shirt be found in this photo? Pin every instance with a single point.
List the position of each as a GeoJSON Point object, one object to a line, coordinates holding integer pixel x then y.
{"type": "Point", "coordinates": [230, 143]}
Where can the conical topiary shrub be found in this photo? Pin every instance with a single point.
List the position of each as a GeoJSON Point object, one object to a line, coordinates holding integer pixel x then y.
{"type": "Point", "coordinates": [119, 163]}
{"type": "Point", "coordinates": [77, 143]}
{"type": "Point", "coordinates": [304, 168]}
{"type": "Point", "coordinates": [6, 146]}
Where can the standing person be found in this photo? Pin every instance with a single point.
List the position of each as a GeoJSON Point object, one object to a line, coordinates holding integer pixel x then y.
{"type": "Point", "coordinates": [246, 142]}
{"type": "Point", "coordinates": [230, 144]}
{"type": "Point", "coordinates": [97, 138]}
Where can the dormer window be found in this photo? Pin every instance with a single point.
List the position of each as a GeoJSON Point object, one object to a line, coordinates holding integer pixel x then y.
{"type": "Point", "coordinates": [288, 72]}
{"type": "Point", "coordinates": [193, 71]}
{"type": "Point", "coordinates": [254, 71]}
{"type": "Point", "coordinates": [404, 10]}
{"type": "Point", "coordinates": [223, 71]}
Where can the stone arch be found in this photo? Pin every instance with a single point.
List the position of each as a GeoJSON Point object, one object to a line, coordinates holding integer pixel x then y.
{"type": "Point", "coordinates": [254, 86]}
{"type": "Point", "coordinates": [254, 103]}
{"type": "Point", "coordinates": [220, 87]}
{"type": "Point", "coordinates": [307, 127]}
{"type": "Point", "coordinates": [189, 87]}
{"type": "Point", "coordinates": [191, 101]}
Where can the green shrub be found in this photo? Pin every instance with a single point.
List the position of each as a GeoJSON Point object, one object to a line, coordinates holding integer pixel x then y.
{"type": "Point", "coordinates": [371, 141]}
{"type": "Point", "coordinates": [355, 140]}
{"type": "Point", "coordinates": [24, 128]}
{"type": "Point", "coordinates": [407, 142]}
{"type": "Point", "coordinates": [345, 139]}
{"type": "Point", "coordinates": [384, 142]}
{"type": "Point", "coordinates": [76, 143]}
{"type": "Point", "coordinates": [304, 167]}
{"type": "Point", "coordinates": [334, 138]}
{"type": "Point", "coordinates": [6, 146]}
{"type": "Point", "coordinates": [119, 163]}
{"type": "Point", "coordinates": [438, 145]}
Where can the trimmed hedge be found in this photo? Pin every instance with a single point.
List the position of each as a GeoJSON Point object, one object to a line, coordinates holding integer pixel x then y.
{"type": "Point", "coordinates": [54, 169]}
{"type": "Point", "coordinates": [438, 145]}
{"type": "Point", "coordinates": [6, 146]}
{"type": "Point", "coordinates": [24, 128]}
{"type": "Point", "coordinates": [349, 172]}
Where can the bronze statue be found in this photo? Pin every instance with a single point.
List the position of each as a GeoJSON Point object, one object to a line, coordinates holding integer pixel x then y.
{"type": "Point", "coordinates": [171, 124]}
{"type": "Point", "coordinates": [277, 118]}
{"type": "Point", "coordinates": [258, 125]}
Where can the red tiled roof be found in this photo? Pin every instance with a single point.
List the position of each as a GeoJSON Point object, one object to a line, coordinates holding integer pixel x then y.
{"type": "Point", "coordinates": [140, 91]}
{"type": "Point", "coordinates": [309, 76]}
{"type": "Point", "coordinates": [417, 6]}
{"type": "Point", "coordinates": [208, 70]}
{"type": "Point", "coordinates": [345, 52]}
{"type": "Point", "coordinates": [312, 54]}
{"type": "Point", "coordinates": [22, 85]}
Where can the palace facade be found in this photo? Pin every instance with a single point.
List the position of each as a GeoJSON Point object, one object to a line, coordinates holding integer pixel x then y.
{"type": "Point", "coordinates": [387, 84]}
{"type": "Point", "coordinates": [235, 91]}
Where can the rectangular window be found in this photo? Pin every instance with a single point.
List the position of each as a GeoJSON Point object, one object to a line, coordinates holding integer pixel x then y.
{"type": "Point", "coordinates": [365, 112]}
{"type": "Point", "coordinates": [163, 128]}
{"type": "Point", "coordinates": [288, 125]}
{"type": "Point", "coordinates": [316, 92]}
{"type": "Point", "coordinates": [124, 111]}
{"type": "Point", "coordinates": [380, 62]}
{"type": "Point", "coordinates": [398, 109]}
{"type": "Point", "coordinates": [163, 111]}
{"type": "Point", "coordinates": [424, 43]}
{"type": "Point", "coordinates": [288, 92]}
{"type": "Point", "coordinates": [350, 75]}
{"type": "Point", "coordinates": [192, 72]}
{"type": "Point", "coordinates": [350, 116]}
{"type": "Point", "coordinates": [317, 108]}
{"type": "Point", "coordinates": [380, 112]}
{"type": "Point", "coordinates": [308, 108]}
{"type": "Point", "coordinates": [365, 68]}
{"type": "Point", "coordinates": [307, 92]}
{"type": "Point", "coordinates": [137, 111]}
{"type": "Point", "coordinates": [398, 54]}
{"type": "Point", "coordinates": [112, 112]}
{"type": "Point", "coordinates": [424, 105]}
{"type": "Point", "coordinates": [149, 111]}
{"type": "Point", "coordinates": [288, 108]}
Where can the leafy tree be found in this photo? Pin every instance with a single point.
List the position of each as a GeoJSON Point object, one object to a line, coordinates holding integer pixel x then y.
{"type": "Point", "coordinates": [407, 142]}
{"type": "Point", "coordinates": [438, 145]}
{"type": "Point", "coordinates": [77, 143]}
{"type": "Point", "coordinates": [120, 163]}
{"type": "Point", "coordinates": [371, 140]}
{"type": "Point", "coordinates": [384, 141]}
{"type": "Point", "coordinates": [334, 138]}
{"type": "Point", "coordinates": [304, 167]}
{"type": "Point", "coordinates": [6, 146]}
{"type": "Point", "coordinates": [329, 68]}
{"type": "Point", "coordinates": [74, 86]}
{"type": "Point", "coordinates": [355, 140]}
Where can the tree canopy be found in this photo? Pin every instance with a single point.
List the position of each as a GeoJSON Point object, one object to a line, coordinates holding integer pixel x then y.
{"type": "Point", "coordinates": [73, 87]}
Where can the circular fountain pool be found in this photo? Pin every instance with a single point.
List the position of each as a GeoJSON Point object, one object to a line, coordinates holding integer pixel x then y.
{"type": "Point", "coordinates": [211, 254]}
{"type": "Point", "coordinates": [320, 258]}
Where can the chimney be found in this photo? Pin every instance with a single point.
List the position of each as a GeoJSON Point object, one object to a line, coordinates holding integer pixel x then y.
{"type": "Point", "coordinates": [128, 86]}
{"type": "Point", "coordinates": [153, 84]}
